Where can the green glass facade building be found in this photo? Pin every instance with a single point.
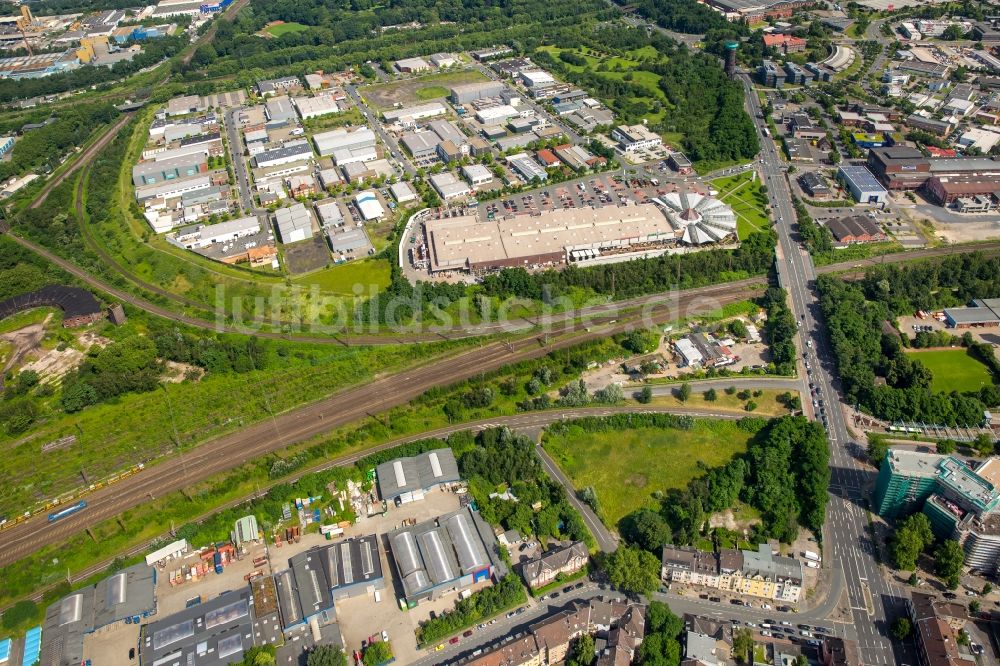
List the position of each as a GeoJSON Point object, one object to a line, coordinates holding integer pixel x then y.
{"type": "Point", "coordinates": [905, 480]}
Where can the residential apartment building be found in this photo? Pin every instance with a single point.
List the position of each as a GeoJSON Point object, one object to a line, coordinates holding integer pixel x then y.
{"type": "Point", "coordinates": [936, 628]}
{"type": "Point", "coordinates": [758, 573]}
{"type": "Point", "coordinates": [960, 502]}
{"type": "Point", "coordinates": [563, 560]}
{"type": "Point", "coordinates": [618, 628]}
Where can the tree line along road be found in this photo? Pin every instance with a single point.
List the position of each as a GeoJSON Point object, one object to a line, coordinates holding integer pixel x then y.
{"type": "Point", "coordinates": [523, 325]}
{"type": "Point", "coordinates": [297, 425]}
{"type": "Point", "coordinates": [531, 420]}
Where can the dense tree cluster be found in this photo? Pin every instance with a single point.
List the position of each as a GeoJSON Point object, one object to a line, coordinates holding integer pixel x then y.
{"type": "Point", "coordinates": [46, 147]}
{"type": "Point", "coordinates": [683, 16]}
{"type": "Point", "coordinates": [127, 366]}
{"type": "Point", "coordinates": [221, 353]}
{"type": "Point", "coordinates": [482, 604]}
{"type": "Point", "coordinates": [817, 237]}
{"type": "Point", "coordinates": [911, 538]}
{"type": "Point", "coordinates": [784, 475]}
{"type": "Point", "coordinates": [856, 314]}
{"type": "Point", "coordinates": [781, 328]}
{"type": "Point", "coordinates": [949, 558]}
{"type": "Point", "coordinates": [703, 104]}
{"type": "Point", "coordinates": [662, 645]}
{"type": "Point", "coordinates": [377, 652]}
{"type": "Point", "coordinates": [789, 474]}
{"type": "Point", "coordinates": [22, 271]}
{"type": "Point", "coordinates": [929, 285]}
{"type": "Point", "coordinates": [327, 655]}
{"type": "Point", "coordinates": [343, 34]}
{"type": "Point", "coordinates": [502, 459]}
{"type": "Point", "coordinates": [632, 570]}
{"type": "Point", "coordinates": [707, 108]}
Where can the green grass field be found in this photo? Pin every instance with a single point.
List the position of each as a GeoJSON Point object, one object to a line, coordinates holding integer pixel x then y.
{"type": "Point", "coordinates": [285, 28]}
{"type": "Point", "coordinates": [431, 92]}
{"type": "Point", "coordinates": [743, 194]}
{"type": "Point", "coordinates": [626, 468]}
{"type": "Point", "coordinates": [618, 67]}
{"type": "Point", "coordinates": [385, 96]}
{"type": "Point", "coordinates": [954, 370]}
{"type": "Point", "coordinates": [340, 279]}
{"type": "Point", "coordinates": [29, 317]}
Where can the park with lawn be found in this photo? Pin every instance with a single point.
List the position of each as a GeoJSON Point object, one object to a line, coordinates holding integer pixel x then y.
{"type": "Point", "coordinates": [627, 468]}
{"type": "Point", "coordinates": [748, 199]}
{"type": "Point", "coordinates": [954, 370]}
{"type": "Point", "coordinates": [624, 67]}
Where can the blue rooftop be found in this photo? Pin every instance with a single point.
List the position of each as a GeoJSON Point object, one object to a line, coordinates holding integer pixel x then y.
{"type": "Point", "coordinates": [32, 646]}
{"type": "Point", "coordinates": [862, 178]}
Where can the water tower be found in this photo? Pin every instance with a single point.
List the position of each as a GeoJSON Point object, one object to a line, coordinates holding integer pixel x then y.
{"type": "Point", "coordinates": [731, 58]}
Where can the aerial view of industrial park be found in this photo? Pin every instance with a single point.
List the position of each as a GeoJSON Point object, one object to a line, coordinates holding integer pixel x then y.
{"type": "Point", "coordinates": [578, 332]}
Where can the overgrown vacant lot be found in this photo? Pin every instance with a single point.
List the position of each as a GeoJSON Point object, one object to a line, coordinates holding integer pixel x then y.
{"type": "Point", "coordinates": [626, 468]}
{"type": "Point", "coordinates": [954, 370]}
{"type": "Point", "coordinates": [411, 91]}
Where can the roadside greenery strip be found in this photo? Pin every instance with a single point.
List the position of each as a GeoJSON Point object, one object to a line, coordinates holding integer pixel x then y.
{"type": "Point", "coordinates": [784, 475]}
{"type": "Point", "coordinates": [861, 323]}
{"type": "Point", "coordinates": [482, 605]}
{"type": "Point", "coordinates": [507, 388]}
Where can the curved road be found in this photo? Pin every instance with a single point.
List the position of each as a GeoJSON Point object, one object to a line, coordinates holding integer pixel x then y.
{"type": "Point", "coordinates": [748, 286]}
{"type": "Point", "coordinates": [300, 424]}
{"type": "Point", "coordinates": [526, 421]}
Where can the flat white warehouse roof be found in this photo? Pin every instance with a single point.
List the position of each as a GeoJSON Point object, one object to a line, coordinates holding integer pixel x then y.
{"type": "Point", "coordinates": [459, 242]}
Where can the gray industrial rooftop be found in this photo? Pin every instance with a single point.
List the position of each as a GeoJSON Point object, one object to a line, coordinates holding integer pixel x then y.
{"type": "Point", "coordinates": [213, 633]}
{"type": "Point", "coordinates": [421, 472]}
{"type": "Point", "coordinates": [437, 552]}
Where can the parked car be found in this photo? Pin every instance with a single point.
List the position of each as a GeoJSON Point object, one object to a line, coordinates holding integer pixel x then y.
{"type": "Point", "coordinates": [453, 640]}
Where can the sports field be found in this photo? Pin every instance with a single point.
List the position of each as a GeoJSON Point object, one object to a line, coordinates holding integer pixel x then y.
{"type": "Point", "coordinates": [954, 370]}
{"type": "Point", "coordinates": [285, 28]}
{"type": "Point", "coordinates": [626, 468]}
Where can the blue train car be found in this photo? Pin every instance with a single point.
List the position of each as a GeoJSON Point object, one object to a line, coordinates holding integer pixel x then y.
{"type": "Point", "coordinates": [68, 511]}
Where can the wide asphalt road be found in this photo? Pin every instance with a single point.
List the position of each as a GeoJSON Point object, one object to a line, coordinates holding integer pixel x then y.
{"type": "Point", "coordinates": [534, 611]}
{"type": "Point", "coordinates": [875, 602]}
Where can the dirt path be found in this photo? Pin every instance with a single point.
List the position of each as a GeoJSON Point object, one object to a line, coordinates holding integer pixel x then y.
{"type": "Point", "coordinates": [24, 340]}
